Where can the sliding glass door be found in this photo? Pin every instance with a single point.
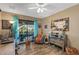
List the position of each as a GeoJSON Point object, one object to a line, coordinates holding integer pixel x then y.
{"type": "Point", "coordinates": [26, 30]}
{"type": "Point", "coordinates": [30, 32]}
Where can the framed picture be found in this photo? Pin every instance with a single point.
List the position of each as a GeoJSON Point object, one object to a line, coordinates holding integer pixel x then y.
{"type": "Point", "coordinates": [39, 25]}
{"type": "Point", "coordinates": [61, 24]}
{"type": "Point", "coordinates": [45, 26]}
{"type": "Point", "coordinates": [6, 24]}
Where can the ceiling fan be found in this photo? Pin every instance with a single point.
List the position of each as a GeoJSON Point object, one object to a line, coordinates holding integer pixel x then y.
{"type": "Point", "coordinates": [40, 7]}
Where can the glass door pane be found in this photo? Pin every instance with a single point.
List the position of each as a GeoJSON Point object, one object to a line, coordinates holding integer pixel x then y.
{"type": "Point", "coordinates": [30, 31]}
{"type": "Point", "coordinates": [23, 29]}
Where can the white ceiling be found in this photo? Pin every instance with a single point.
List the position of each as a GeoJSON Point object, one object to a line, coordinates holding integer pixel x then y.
{"type": "Point", "coordinates": [22, 8]}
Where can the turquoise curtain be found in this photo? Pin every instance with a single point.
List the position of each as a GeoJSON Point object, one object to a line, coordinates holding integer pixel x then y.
{"type": "Point", "coordinates": [35, 27]}
{"type": "Point", "coordinates": [15, 28]}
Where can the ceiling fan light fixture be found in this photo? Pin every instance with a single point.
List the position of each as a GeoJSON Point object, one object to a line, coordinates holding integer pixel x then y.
{"type": "Point", "coordinates": [38, 10]}
{"type": "Point", "coordinates": [40, 7]}
{"type": "Point", "coordinates": [41, 10]}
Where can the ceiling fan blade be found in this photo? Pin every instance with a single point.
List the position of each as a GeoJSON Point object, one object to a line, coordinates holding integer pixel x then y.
{"type": "Point", "coordinates": [41, 10]}
{"type": "Point", "coordinates": [41, 4]}
{"type": "Point", "coordinates": [37, 4]}
{"type": "Point", "coordinates": [44, 9]}
{"type": "Point", "coordinates": [33, 8]}
{"type": "Point", "coordinates": [44, 5]}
